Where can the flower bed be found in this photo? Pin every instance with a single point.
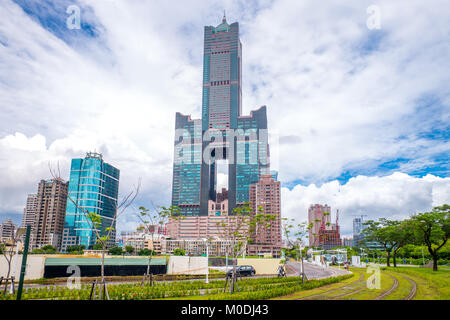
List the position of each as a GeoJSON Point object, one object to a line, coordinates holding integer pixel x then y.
{"type": "Point", "coordinates": [250, 288]}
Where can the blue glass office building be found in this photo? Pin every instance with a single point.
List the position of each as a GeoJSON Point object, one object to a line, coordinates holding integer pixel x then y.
{"type": "Point", "coordinates": [93, 186]}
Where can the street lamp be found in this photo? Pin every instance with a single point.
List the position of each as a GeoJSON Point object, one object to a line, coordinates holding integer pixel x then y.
{"type": "Point", "coordinates": [207, 260]}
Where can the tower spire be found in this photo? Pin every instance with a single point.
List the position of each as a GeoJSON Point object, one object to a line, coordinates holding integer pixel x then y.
{"type": "Point", "coordinates": [224, 19]}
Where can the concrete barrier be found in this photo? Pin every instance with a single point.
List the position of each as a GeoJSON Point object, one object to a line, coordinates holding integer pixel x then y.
{"type": "Point", "coordinates": [187, 265]}
{"type": "Point", "coordinates": [262, 266]}
{"type": "Point", "coordinates": [35, 266]}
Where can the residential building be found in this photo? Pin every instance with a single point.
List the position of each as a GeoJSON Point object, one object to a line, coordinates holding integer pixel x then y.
{"type": "Point", "coordinates": [266, 195]}
{"type": "Point", "coordinates": [93, 187]}
{"type": "Point", "coordinates": [317, 214]}
{"type": "Point", "coordinates": [29, 212]}
{"type": "Point", "coordinates": [347, 242]}
{"type": "Point", "coordinates": [141, 240]}
{"type": "Point", "coordinates": [197, 247]}
{"type": "Point", "coordinates": [48, 225]}
{"type": "Point", "coordinates": [329, 234]}
{"type": "Point", "coordinates": [199, 227]}
{"type": "Point", "coordinates": [7, 229]}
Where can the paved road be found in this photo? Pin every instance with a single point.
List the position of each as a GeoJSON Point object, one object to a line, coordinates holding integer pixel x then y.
{"type": "Point", "coordinates": [293, 269]}
{"type": "Point", "coordinates": [313, 271]}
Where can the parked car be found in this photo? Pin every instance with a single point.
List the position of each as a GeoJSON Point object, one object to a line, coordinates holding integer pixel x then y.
{"type": "Point", "coordinates": [242, 271]}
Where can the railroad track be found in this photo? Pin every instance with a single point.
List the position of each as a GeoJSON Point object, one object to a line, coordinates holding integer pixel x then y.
{"type": "Point", "coordinates": [355, 288]}
{"type": "Point", "coordinates": [413, 291]}
{"type": "Point", "coordinates": [357, 282]}
{"type": "Point", "coordinates": [388, 292]}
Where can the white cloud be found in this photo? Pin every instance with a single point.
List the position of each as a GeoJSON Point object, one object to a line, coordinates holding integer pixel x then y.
{"type": "Point", "coordinates": [396, 196]}
{"type": "Point", "coordinates": [335, 105]}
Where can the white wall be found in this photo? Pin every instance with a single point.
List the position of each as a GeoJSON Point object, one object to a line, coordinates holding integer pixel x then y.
{"type": "Point", "coordinates": [34, 270]}
{"type": "Point", "coordinates": [187, 265]}
{"type": "Point", "coordinates": [262, 266]}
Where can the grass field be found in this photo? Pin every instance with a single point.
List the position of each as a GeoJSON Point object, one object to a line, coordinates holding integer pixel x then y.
{"type": "Point", "coordinates": [401, 283]}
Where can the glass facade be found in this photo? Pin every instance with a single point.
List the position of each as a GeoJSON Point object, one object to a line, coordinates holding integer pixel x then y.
{"type": "Point", "coordinates": [187, 165]}
{"type": "Point", "coordinates": [94, 187]}
{"type": "Point", "coordinates": [195, 180]}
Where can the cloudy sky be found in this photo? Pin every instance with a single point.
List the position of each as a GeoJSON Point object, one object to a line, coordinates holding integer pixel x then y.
{"type": "Point", "coordinates": [359, 115]}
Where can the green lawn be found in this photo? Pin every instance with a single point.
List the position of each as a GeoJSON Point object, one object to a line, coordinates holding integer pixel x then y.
{"type": "Point", "coordinates": [432, 285]}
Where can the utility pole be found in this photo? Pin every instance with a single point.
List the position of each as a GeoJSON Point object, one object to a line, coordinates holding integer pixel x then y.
{"type": "Point", "coordinates": [24, 263]}
{"type": "Point", "coordinates": [207, 262]}
{"type": "Point", "coordinates": [226, 261]}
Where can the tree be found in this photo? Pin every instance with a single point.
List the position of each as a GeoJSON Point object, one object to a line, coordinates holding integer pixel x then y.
{"type": "Point", "coordinates": [129, 249]}
{"type": "Point", "coordinates": [103, 229]}
{"type": "Point", "coordinates": [145, 252]}
{"type": "Point", "coordinates": [115, 251]}
{"type": "Point", "coordinates": [382, 231]}
{"type": "Point", "coordinates": [37, 251]}
{"type": "Point", "coordinates": [315, 222]}
{"type": "Point", "coordinates": [401, 235]}
{"type": "Point", "coordinates": [75, 249]}
{"type": "Point", "coordinates": [97, 246]}
{"type": "Point", "coordinates": [8, 248]}
{"type": "Point", "coordinates": [49, 249]}
{"type": "Point", "coordinates": [179, 252]}
{"type": "Point", "coordinates": [294, 234]}
{"type": "Point", "coordinates": [432, 229]}
{"type": "Point", "coordinates": [240, 228]}
{"type": "Point", "coordinates": [151, 221]}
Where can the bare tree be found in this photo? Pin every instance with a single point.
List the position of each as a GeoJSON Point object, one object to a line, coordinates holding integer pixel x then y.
{"type": "Point", "coordinates": [8, 248]}
{"type": "Point", "coordinates": [240, 228]}
{"type": "Point", "coordinates": [294, 234]}
{"type": "Point", "coordinates": [151, 221]}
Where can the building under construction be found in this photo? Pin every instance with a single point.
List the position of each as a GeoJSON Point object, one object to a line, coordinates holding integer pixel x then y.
{"type": "Point", "coordinates": [329, 235]}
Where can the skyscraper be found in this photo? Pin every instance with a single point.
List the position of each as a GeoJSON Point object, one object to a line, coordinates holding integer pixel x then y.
{"type": "Point", "coordinates": [94, 187]}
{"type": "Point", "coordinates": [222, 134]}
{"type": "Point", "coordinates": [48, 225]}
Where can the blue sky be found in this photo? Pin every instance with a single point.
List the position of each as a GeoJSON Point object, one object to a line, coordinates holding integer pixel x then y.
{"type": "Point", "coordinates": [351, 109]}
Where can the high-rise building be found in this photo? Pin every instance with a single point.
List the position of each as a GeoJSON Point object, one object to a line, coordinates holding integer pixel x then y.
{"type": "Point", "coordinates": [7, 229]}
{"type": "Point", "coordinates": [317, 214]}
{"type": "Point", "coordinates": [93, 187]}
{"type": "Point", "coordinates": [48, 225]}
{"type": "Point", "coordinates": [266, 194]}
{"type": "Point", "coordinates": [222, 134]}
{"type": "Point", "coordinates": [329, 234]}
{"type": "Point", "coordinates": [29, 212]}
{"type": "Point", "coordinates": [347, 242]}
{"type": "Point", "coordinates": [359, 236]}
{"type": "Point", "coordinates": [357, 231]}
